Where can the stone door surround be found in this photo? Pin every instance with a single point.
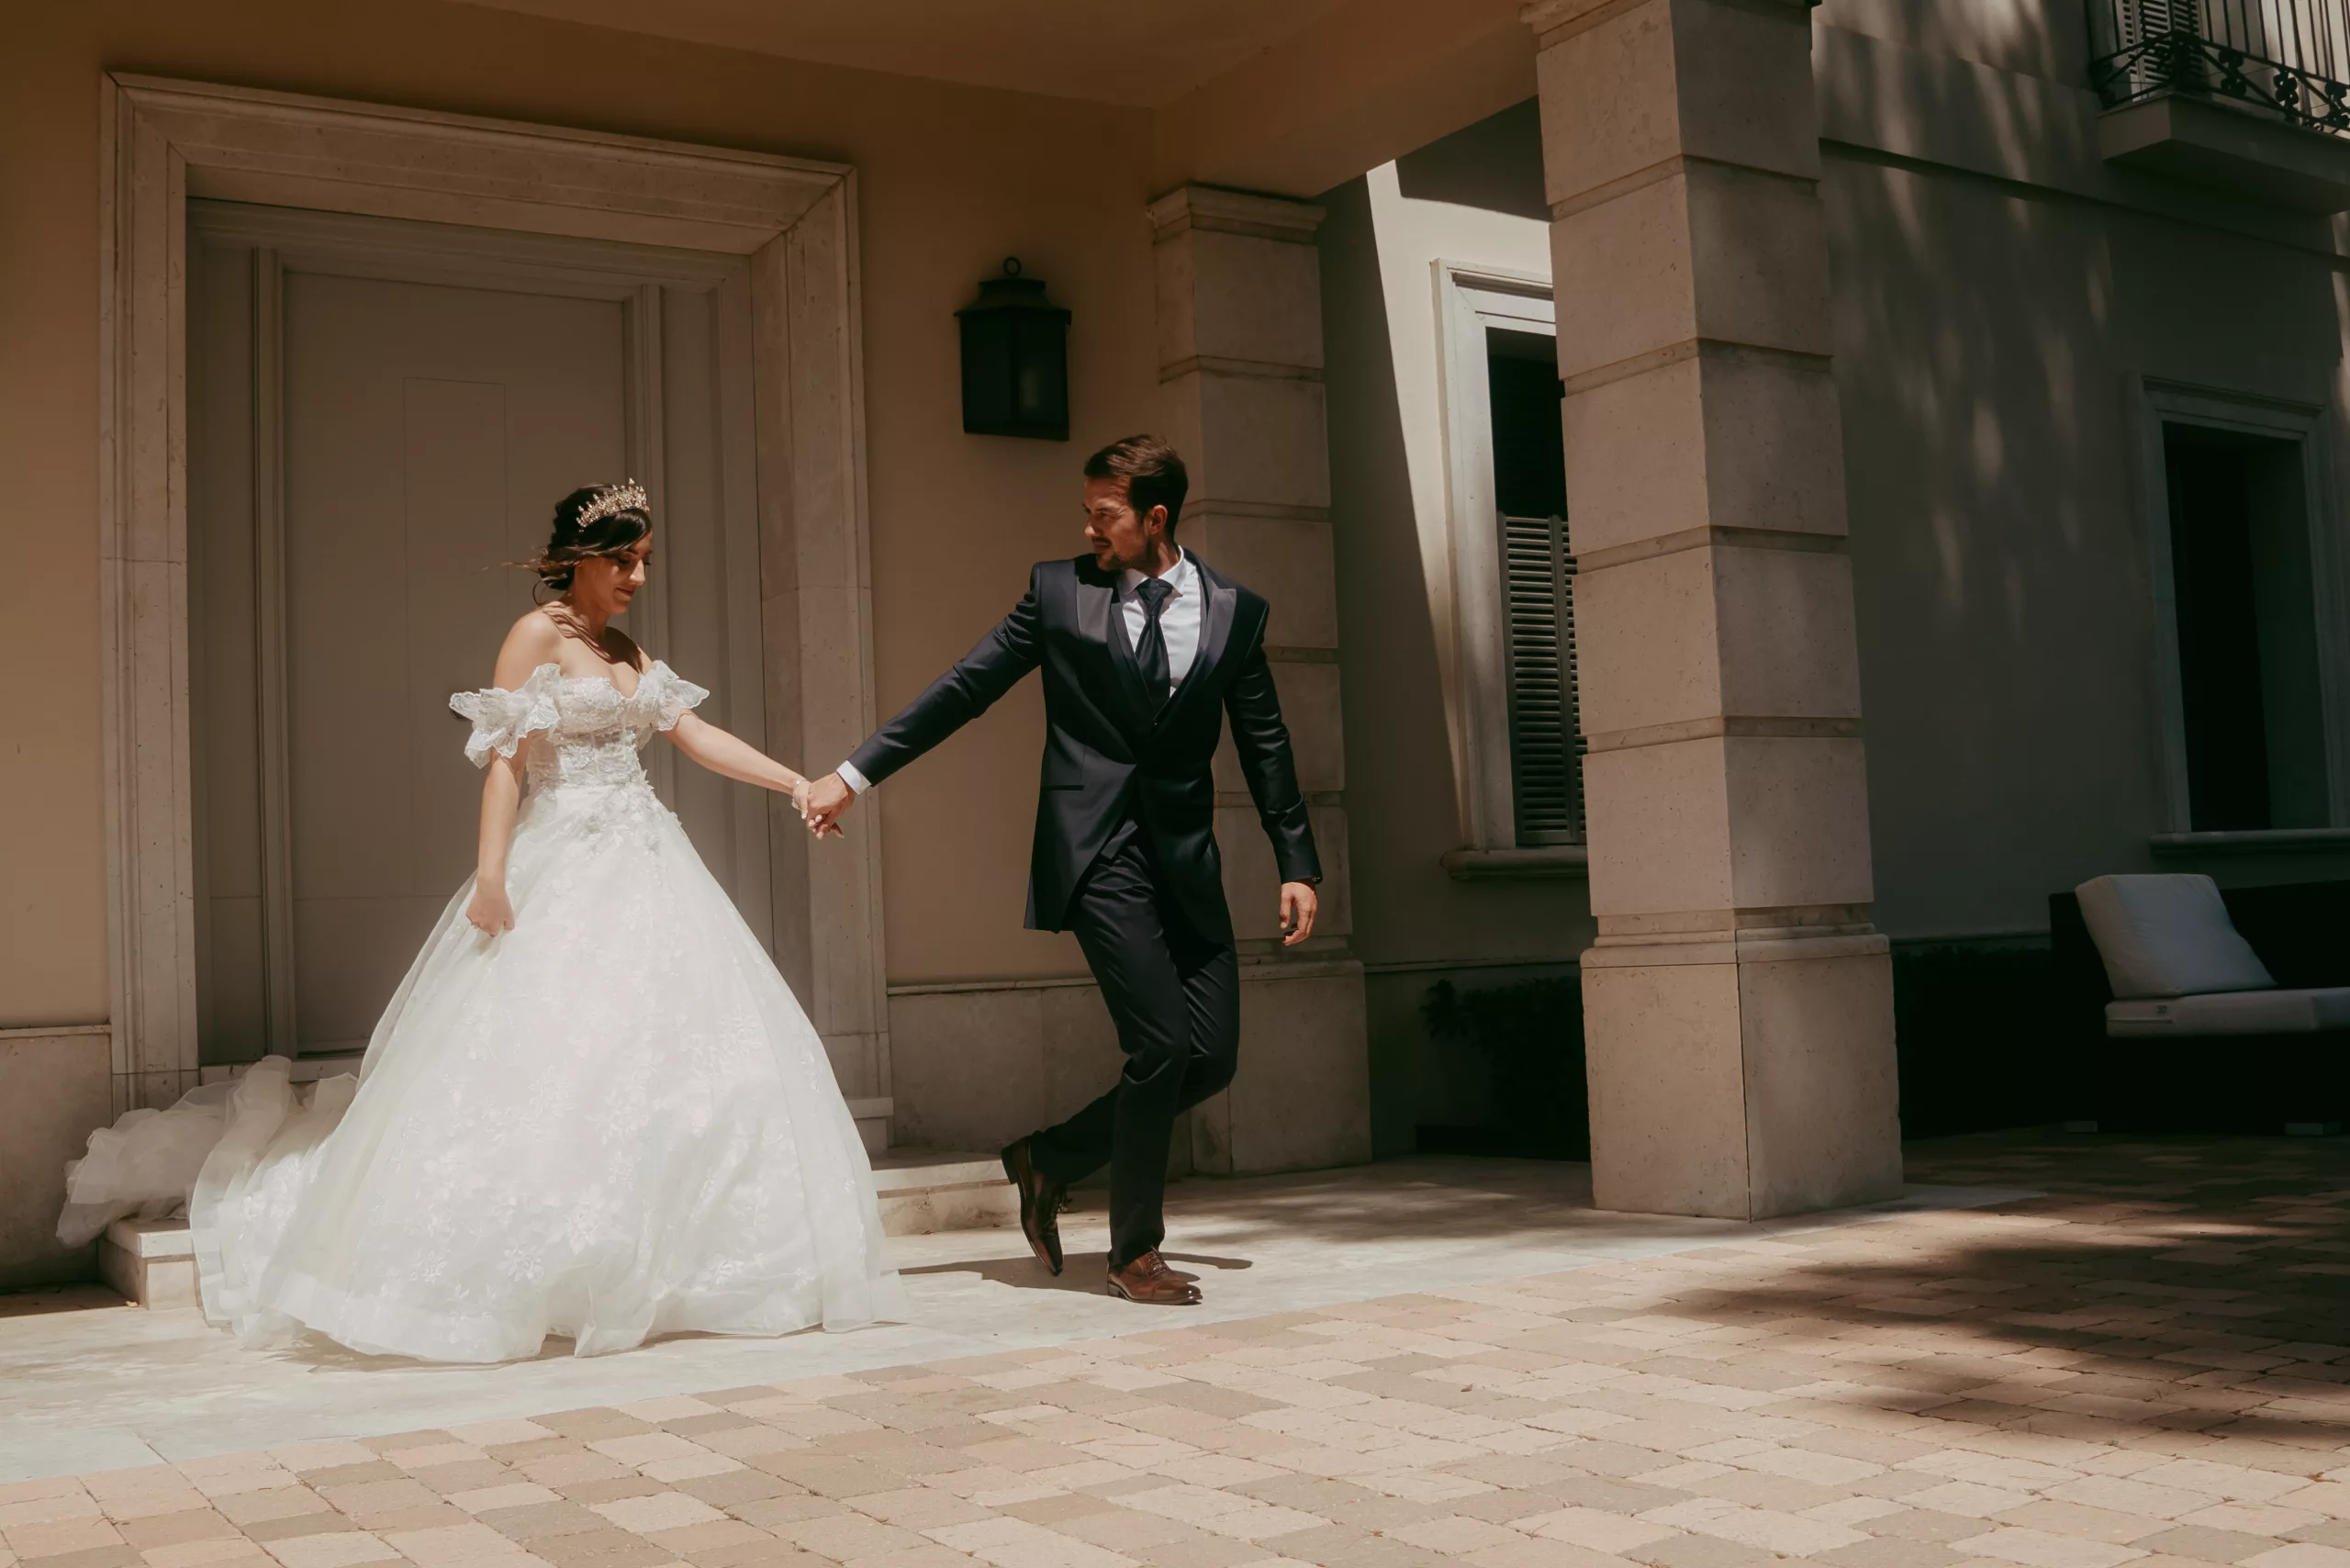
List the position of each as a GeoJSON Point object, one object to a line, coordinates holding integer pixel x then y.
{"type": "Point", "coordinates": [164, 141]}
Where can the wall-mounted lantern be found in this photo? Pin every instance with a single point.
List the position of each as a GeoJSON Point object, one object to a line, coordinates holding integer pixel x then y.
{"type": "Point", "coordinates": [1015, 359]}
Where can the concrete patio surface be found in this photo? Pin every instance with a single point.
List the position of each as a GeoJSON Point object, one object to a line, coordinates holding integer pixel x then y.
{"type": "Point", "coordinates": [2064, 1353]}
{"type": "Point", "coordinates": [86, 1383]}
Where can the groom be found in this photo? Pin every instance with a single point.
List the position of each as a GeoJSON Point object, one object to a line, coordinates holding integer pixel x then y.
{"type": "Point", "coordinates": [1144, 649]}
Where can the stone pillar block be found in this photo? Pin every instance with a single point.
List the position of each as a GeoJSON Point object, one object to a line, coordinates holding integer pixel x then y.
{"type": "Point", "coordinates": [1240, 373]}
{"type": "Point", "coordinates": [1798, 824]}
{"type": "Point", "coordinates": [1626, 92]}
{"type": "Point", "coordinates": [1784, 620]}
{"type": "Point", "coordinates": [1774, 441]}
{"type": "Point", "coordinates": [1733, 437]}
{"type": "Point", "coordinates": [1250, 441]}
{"type": "Point", "coordinates": [1745, 1089]}
{"type": "Point", "coordinates": [1738, 1003]}
{"type": "Point", "coordinates": [1286, 559]}
{"type": "Point", "coordinates": [1309, 693]}
{"type": "Point", "coordinates": [1308, 1102]}
{"type": "Point", "coordinates": [1240, 298]}
{"type": "Point", "coordinates": [1659, 821]}
{"type": "Point", "coordinates": [1646, 649]}
{"type": "Point", "coordinates": [1731, 827]}
{"type": "Point", "coordinates": [1711, 251]}
{"type": "Point", "coordinates": [1252, 884]}
{"type": "Point", "coordinates": [1694, 634]}
{"type": "Point", "coordinates": [1668, 1101]}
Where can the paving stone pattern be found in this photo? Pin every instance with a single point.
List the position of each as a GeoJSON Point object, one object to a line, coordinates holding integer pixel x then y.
{"type": "Point", "coordinates": [2150, 1365]}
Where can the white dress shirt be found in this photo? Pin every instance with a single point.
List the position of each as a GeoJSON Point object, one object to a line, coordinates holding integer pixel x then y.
{"type": "Point", "coordinates": [1179, 619]}
{"type": "Point", "coordinates": [1179, 624]}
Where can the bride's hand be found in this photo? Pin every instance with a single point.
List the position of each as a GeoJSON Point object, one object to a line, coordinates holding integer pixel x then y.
{"type": "Point", "coordinates": [803, 799]}
{"type": "Point", "coordinates": [490, 911]}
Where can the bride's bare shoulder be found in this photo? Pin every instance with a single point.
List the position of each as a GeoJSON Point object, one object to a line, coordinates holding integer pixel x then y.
{"type": "Point", "coordinates": [532, 641]}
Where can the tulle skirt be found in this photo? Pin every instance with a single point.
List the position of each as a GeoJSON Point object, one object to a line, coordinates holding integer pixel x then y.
{"type": "Point", "coordinates": [613, 1122]}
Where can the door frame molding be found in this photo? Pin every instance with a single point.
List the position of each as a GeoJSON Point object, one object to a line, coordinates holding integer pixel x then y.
{"type": "Point", "coordinates": [163, 141]}
{"type": "Point", "coordinates": [298, 240]}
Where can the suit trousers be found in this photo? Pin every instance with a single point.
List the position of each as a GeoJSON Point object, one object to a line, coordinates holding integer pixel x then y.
{"type": "Point", "coordinates": [1175, 997]}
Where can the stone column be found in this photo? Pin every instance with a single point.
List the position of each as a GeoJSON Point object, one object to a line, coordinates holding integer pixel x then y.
{"type": "Point", "coordinates": [1738, 1001]}
{"type": "Point", "coordinates": [1240, 372]}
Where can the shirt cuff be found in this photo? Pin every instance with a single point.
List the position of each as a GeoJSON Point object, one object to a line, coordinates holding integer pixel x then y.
{"type": "Point", "coordinates": [858, 783]}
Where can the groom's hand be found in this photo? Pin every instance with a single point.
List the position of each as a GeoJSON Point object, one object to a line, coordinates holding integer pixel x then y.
{"type": "Point", "coordinates": [1300, 904]}
{"type": "Point", "coordinates": [829, 799]}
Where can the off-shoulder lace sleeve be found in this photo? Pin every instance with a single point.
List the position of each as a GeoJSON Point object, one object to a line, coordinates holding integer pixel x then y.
{"type": "Point", "coordinates": [672, 695]}
{"type": "Point", "coordinates": [503, 719]}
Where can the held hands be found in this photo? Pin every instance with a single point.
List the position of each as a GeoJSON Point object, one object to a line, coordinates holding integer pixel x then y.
{"type": "Point", "coordinates": [1300, 904]}
{"type": "Point", "coordinates": [822, 802]}
{"type": "Point", "coordinates": [490, 911]}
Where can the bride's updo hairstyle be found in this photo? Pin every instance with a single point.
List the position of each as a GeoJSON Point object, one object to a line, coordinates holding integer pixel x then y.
{"type": "Point", "coordinates": [595, 519]}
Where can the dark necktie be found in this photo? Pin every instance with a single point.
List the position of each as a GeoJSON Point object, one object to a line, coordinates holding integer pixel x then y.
{"type": "Point", "coordinates": [1150, 650]}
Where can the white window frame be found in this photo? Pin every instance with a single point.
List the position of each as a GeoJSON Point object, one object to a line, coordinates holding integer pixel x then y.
{"type": "Point", "coordinates": [2168, 403]}
{"type": "Point", "coordinates": [1471, 299]}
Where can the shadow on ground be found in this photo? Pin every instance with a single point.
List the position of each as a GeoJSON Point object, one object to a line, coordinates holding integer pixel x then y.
{"type": "Point", "coordinates": [2188, 1285]}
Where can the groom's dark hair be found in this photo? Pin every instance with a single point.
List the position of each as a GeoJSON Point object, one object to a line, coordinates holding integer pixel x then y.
{"type": "Point", "coordinates": [1153, 471]}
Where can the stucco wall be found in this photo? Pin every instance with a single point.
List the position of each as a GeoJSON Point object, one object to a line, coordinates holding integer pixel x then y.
{"type": "Point", "coordinates": [951, 180]}
{"type": "Point", "coordinates": [2002, 295]}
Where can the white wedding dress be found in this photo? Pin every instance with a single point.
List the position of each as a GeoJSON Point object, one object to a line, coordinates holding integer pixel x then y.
{"type": "Point", "coordinates": [611, 1122]}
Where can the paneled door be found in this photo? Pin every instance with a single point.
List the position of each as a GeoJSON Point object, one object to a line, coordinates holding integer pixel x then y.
{"type": "Point", "coordinates": [381, 418]}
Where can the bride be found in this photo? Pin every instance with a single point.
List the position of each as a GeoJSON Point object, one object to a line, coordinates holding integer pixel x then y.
{"type": "Point", "coordinates": [593, 1108]}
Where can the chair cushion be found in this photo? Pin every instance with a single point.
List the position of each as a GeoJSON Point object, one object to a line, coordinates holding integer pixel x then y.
{"type": "Point", "coordinates": [2167, 935]}
{"type": "Point", "coordinates": [2230, 1013]}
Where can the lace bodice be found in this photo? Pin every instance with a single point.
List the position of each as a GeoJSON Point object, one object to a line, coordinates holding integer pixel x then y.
{"type": "Point", "coordinates": [580, 729]}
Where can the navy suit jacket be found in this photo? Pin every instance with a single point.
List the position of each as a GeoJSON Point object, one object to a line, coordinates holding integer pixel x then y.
{"type": "Point", "coordinates": [1108, 755]}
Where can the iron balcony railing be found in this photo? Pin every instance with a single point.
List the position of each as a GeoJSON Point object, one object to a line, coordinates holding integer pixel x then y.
{"type": "Point", "coordinates": [2291, 57]}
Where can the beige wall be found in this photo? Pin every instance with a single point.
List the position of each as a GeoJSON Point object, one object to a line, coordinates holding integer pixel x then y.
{"type": "Point", "coordinates": [56, 1089]}
{"type": "Point", "coordinates": [951, 180]}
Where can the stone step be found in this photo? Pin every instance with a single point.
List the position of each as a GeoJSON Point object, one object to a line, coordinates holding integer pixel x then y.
{"type": "Point", "coordinates": [152, 1262]}
{"type": "Point", "coordinates": [872, 1116]}
{"type": "Point", "coordinates": [923, 1191]}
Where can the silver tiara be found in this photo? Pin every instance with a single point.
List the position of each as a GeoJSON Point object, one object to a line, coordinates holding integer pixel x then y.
{"type": "Point", "coordinates": [626, 496]}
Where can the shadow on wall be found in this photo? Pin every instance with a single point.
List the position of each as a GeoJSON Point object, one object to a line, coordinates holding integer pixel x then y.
{"type": "Point", "coordinates": [1989, 334]}
{"type": "Point", "coordinates": [1986, 473]}
{"type": "Point", "coordinates": [1483, 165]}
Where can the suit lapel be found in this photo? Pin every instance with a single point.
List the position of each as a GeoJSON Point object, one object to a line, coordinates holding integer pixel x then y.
{"type": "Point", "coordinates": [1098, 612]}
{"type": "Point", "coordinates": [1215, 633]}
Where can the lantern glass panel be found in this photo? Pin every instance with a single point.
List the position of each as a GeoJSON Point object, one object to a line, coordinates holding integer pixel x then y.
{"type": "Point", "coordinates": [1015, 359]}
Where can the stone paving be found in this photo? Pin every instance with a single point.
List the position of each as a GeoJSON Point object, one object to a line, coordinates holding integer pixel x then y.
{"type": "Point", "coordinates": [2150, 1364]}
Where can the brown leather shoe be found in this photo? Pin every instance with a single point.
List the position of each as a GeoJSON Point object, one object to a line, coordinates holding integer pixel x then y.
{"type": "Point", "coordinates": [1148, 1280]}
{"type": "Point", "coordinates": [1041, 1202]}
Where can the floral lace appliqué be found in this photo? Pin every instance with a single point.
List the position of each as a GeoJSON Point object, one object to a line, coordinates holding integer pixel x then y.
{"type": "Point", "coordinates": [581, 730]}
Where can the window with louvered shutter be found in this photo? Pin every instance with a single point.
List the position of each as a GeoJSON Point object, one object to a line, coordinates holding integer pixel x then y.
{"type": "Point", "coordinates": [1546, 762]}
{"type": "Point", "coordinates": [1537, 589]}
